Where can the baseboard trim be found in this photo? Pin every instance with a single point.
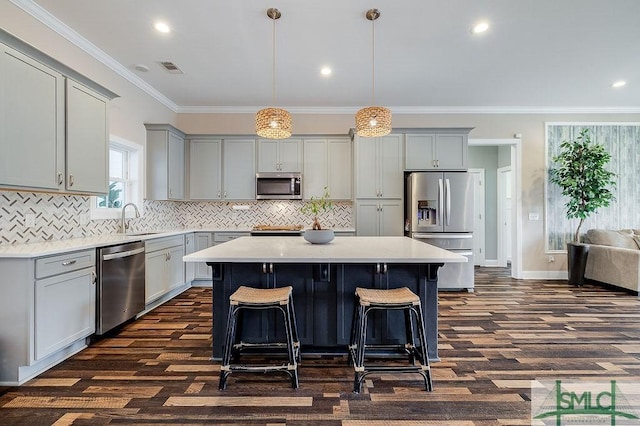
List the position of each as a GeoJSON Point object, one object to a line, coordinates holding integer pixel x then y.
{"type": "Point", "coordinates": [545, 275]}
{"type": "Point", "coordinates": [491, 263]}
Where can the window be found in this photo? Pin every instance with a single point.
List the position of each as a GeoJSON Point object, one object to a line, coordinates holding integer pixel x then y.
{"type": "Point", "coordinates": [622, 141]}
{"type": "Point", "coordinates": [125, 180]}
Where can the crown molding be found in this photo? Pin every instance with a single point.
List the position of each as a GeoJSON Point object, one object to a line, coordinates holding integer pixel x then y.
{"type": "Point", "coordinates": [404, 110]}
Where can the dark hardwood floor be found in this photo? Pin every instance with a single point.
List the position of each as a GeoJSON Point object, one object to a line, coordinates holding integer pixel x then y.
{"type": "Point", "coordinates": [493, 342]}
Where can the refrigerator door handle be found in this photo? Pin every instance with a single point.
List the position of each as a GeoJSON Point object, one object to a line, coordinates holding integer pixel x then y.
{"type": "Point", "coordinates": [447, 211]}
{"type": "Point", "coordinates": [440, 201]}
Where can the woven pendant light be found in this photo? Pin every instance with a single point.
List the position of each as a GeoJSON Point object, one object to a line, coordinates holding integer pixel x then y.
{"type": "Point", "coordinates": [373, 121]}
{"type": "Point", "coordinates": [272, 122]}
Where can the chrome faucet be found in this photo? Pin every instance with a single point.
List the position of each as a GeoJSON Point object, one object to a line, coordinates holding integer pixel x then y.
{"type": "Point", "coordinates": [123, 224]}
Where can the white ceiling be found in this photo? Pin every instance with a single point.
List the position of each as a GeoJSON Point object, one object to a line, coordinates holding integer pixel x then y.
{"type": "Point", "coordinates": [538, 55]}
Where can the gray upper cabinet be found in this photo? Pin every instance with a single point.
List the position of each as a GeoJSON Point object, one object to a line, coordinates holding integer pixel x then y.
{"type": "Point", "coordinates": [31, 123]}
{"type": "Point", "coordinates": [205, 169]}
{"type": "Point", "coordinates": [284, 155]}
{"type": "Point", "coordinates": [327, 163]}
{"type": "Point", "coordinates": [58, 138]}
{"type": "Point", "coordinates": [379, 172]}
{"type": "Point", "coordinates": [239, 169]}
{"type": "Point", "coordinates": [87, 140]}
{"type": "Point", "coordinates": [165, 162]}
{"type": "Point", "coordinates": [221, 168]}
{"type": "Point", "coordinates": [441, 149]}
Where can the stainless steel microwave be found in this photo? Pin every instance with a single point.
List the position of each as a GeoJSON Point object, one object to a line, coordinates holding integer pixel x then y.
{"type": "Point", "coordinates": [279, 186]}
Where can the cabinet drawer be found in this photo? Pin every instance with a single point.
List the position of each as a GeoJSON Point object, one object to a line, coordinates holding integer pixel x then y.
{"type": "Point", "coordinates": [223, 237]}
{"type": "Point", "coordinates": [163, 243]}
{"type": "Point", "coordinates": [58, 264]}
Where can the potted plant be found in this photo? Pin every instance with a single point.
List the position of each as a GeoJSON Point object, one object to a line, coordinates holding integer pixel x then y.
{"type": "Point", "coordinates": [316, 206]}
{"type": "Point", "coordinates": [582, 175]}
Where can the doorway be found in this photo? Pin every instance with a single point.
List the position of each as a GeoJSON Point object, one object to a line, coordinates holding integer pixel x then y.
{"type": "Point", "coordinates": [511, 156]}
{"type": "Point", "coordinates": [479, 216]}
{"type": "Point", "coordinates": [505, 215]}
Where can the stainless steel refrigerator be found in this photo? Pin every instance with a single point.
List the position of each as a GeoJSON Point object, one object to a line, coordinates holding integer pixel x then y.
{"type": "Point", "coordinates": [439, 211]}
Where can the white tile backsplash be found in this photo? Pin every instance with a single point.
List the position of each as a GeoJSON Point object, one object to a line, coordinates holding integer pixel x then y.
{"type": "Point", "coordinates": [57, 216]}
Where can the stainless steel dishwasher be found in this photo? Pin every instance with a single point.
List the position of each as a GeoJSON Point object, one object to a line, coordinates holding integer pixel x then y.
{"type": "Point", "coordinates": [121, 285]}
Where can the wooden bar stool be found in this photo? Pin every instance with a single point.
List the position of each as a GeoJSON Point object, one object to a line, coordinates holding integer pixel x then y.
{"type": "Point", "coordinates": [260, 298]}
{"type": "Point", "coordinates": [403, 299]}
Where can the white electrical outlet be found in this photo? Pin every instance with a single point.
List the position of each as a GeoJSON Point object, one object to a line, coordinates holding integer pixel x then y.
{"type": "Point", "coordinates": [534, 216]}
{"type": "Point", "coordinates": [30, 220]}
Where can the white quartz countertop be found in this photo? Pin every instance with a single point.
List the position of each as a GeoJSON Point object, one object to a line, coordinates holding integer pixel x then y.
{"type": "Point", "coordinates": [47, 248]}
{"type": "Point", "coordinates": [340, 250]}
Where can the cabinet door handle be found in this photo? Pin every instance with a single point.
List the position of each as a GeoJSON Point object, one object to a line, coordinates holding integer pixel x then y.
{"type": "Point", "coordinates": [271, 268]}
{"type": "Point", "coordinates": [384, 268]}
{"type": "Point", "coordinates": [377, 268]}
{"type": "Point", "coordinates": [218, 194]}
{"type": "Point", "coordinates": [438, 163]}
{"type": "Point", "coordinates": [71, 180]}
{"type": "Point", "coordinates": [60, 178]}
{"type": "Point", "coordinates": [68, 262]}
{"type": "Point", "coordinates": [225, 194]}
{"type": "Point", "coordinates": [434, 163]}
{"type": "Point", "coordinates": [94, 277]}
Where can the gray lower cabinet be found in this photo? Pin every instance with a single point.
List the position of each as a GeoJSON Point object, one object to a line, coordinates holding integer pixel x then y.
{"type": "Point", "coordinates": [65, 310]}
{"type": "Point", "coordinates": [48, 309]}
{"type": "Point", "coordinates": [379, 218]}
{"type": "Point", "coordinates": [204, 240]}
{"type": "Point", "coordinates": [189, 247]}
{"type": "Point", "coordinates": [164, 268]}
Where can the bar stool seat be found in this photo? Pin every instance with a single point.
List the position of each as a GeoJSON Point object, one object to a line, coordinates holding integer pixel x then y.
{"type": "Point", "coordinates": [244, 297]}
{"type": "Point", "coordinates": [399, 299]}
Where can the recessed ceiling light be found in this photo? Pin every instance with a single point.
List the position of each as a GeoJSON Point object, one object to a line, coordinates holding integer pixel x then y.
{"type": "Point", "coordinates": [162, 27]}
{"type": "Point", "coordinates": [618, 83]}
{"type": "Point", "coordinates": [325, 71]}
{"type": "Point", "coordinates": [480, 27]}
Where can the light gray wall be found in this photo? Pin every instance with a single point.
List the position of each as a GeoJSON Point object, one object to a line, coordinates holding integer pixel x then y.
{"type": "Point", "coordinates": [504, 156]}
{"type": "Point", "coordinates": [486, 157]}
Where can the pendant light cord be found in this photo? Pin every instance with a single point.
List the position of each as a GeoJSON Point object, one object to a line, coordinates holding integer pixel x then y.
{"type": "Point", "coordinates": [373, 62]}
{"type": "Point", "coordinates": [273, 69]}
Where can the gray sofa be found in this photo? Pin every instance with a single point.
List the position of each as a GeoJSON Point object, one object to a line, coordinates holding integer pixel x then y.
{"type": "Point", "coordinates": [614, 257]}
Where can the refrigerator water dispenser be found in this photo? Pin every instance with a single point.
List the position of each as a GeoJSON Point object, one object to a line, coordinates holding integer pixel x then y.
{"type": "Point", "coordinates": [427, 213]}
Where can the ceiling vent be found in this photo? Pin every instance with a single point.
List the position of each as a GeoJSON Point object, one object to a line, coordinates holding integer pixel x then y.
{"type": "Point", "coordinates": [171, 67]}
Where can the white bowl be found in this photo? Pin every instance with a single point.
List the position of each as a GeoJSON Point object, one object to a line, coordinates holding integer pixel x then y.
{"type": "Point", "coordinates": [319, 236]}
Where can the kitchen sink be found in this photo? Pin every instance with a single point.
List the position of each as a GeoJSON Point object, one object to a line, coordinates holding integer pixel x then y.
{"type": "Point", "coordinates": [140, 234]}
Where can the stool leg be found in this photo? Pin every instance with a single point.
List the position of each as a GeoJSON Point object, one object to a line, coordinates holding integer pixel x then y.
{"type": "Point", "coordinates": [361, 340]}
{"type": "Point", "coordinates": [353, 342]}
{"type": "Point", "coordinates": [292, 367]}
{"type": "Point", "coordinates": [424, 349]}
{"type": "Point", "coordinates": [228, 345]}
{"type": "Point", "coordinates": [409, 335]}
{"type": "Point", "coordinates": [294, 327]}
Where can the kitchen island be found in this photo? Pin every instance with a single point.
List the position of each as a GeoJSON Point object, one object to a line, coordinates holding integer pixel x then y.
{"type": "Point", "coordinates": [324, 278]}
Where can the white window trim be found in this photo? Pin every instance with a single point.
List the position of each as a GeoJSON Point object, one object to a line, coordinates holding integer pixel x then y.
{"type": "Point", "coordinates": [116, 213]}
